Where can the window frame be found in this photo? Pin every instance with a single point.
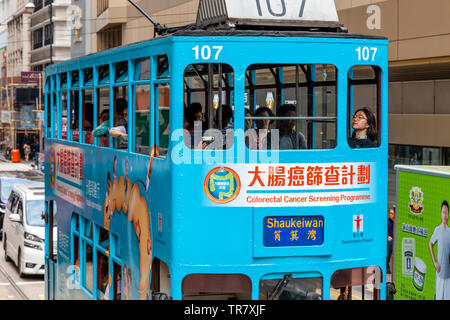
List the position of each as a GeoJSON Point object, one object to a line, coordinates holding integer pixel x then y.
{"type": "Point", "coordinates": [351, 83]}
{"type": "Point", "coordinates": [311, 84]}
{"type": "Point", "coordinates": [83, 241]}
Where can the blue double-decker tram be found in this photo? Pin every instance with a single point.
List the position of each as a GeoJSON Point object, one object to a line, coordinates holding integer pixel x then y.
{"type": "Point", "coordinates": [241, 157]}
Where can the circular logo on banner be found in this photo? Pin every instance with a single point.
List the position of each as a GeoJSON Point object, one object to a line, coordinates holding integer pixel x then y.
{"type": "Point", "coordinates": [222, 185]}
{"type": "Point", "coordinates": [52, 168]}
{"type": "Point", "coordinates": [416, 199]}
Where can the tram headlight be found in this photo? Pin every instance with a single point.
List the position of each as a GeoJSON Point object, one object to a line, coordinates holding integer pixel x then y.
{"type": "Point", "coordinates": [32, 237]}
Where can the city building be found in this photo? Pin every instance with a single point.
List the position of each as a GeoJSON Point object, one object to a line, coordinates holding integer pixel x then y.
{"type": "Point", "coordinates": [19, 44]}
{"type": "Point", "coordinates": [51, 33]}
{"type": "Point", "coordinates": [419, 75]}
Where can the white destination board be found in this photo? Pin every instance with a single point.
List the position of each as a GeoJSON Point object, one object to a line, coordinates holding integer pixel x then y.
{"type": "Point", "coordinates": [292, 10]}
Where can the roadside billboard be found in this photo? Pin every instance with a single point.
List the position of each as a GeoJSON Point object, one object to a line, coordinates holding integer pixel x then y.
{"type": "Point", "coordinates": [422, 236]}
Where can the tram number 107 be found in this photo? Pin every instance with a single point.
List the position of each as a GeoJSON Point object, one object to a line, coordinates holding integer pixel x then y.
{"type": "Point", "coordinates": [366, 53]}
{"type": "Point", "coordinates": [207, 52]}
{"type": "Point", "coordinates": [283, 8]}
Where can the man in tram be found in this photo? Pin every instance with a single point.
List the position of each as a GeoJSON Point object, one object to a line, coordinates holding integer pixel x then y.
{"type": "Point", "coordinates": [289, 138]}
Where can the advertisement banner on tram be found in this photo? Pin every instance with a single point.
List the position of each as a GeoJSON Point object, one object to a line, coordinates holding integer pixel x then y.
{"type": "Point", "coordinates": [291, 185]}
{"type": "Point", "coordinates": [422, 236]}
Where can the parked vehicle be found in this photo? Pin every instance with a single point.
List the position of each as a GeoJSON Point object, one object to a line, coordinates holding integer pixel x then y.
{"type": "Point", "coordinates": [6, 185]}
{"type": "Point", "coordinates": [24, 228]}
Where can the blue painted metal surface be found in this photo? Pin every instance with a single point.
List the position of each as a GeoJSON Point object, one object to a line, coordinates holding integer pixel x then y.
{"type": "Point", "coordinates": [189, 230]}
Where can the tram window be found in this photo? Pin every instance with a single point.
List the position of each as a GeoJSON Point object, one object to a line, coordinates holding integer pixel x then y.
{"type": "Point", "coordinates": [103, 75]}
{"type": "Point", "coordinates": [121, 71]}
{"type": "Point", "coordinates": [63, 81]}
{"type": "Point", "coordinates": [88, 77]}
{"type": "Point", "coordinates": [103, 284]}
{"type": "Point", "coordinates": [300, 102]}
{"type": "Point", "coordinates": [103, 239]}
{"type": "Point", "coordinates": [49, 116]}
{"type": "Point", "coordinates": [162, 96]}
{"type": "Point", "coordinates": [217, 287]}
{"type": "Point", "coordinates": [77, 224]}
{"type": "Point", "coordinates": [117, 281]}
{"type": "Point", "coordinates": [74, 114]}
{"type": "Point", "coordinates": [120, 128]}
{"type": "Point", "coordinates": [89, 268]}
{"type": "Point", "coordinates": [356, 284]}
{"type": "Point", "coordinates": [142, 119]}
{"type": "Point", "coordinates": [76, 257]}
{"type": "Point", "coordinates": [142, 69]}
{"type": "Point", "coordinates": [75, 78]}
{"type": "Point", "coordinates": [162, 71]}
{"type": "Point", "coordinates": [88, 230]}
{"type": "Point", "coordinates": [103, 118]}
{"type": "Point", "coordinates": [291, 288]}
{"type": "Point", "coordinates": [208, 100]}
{"type": "Point", "coordinates": [64, 122]}
{"type": "Point", "coordinates": [88, 116]}
{"type": "Point", "coordinates": [55, 117]}
{"type": "Point", "coordinates": [364, 107]}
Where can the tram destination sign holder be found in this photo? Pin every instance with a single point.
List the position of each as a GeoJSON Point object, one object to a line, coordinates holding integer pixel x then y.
{"type": "Point", "coordinates": [300, 13]}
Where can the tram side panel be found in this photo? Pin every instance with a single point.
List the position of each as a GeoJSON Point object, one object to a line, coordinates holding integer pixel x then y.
{"type": "Point", "coordinates": [106, 202]}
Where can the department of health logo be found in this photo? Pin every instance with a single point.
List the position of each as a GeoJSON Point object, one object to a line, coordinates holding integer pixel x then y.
{"type": "Point", "coordinates": [222, 185]}
{"type": "Point", "coordinates": [52, 168]}
{"type": "Point", "coordinates": [416, 199]}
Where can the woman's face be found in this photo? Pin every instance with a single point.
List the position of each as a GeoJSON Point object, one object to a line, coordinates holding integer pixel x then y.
{"type": "Point", "coordinates": [263, 124]}
{"type": "Point", "coordinates": [359, 121]}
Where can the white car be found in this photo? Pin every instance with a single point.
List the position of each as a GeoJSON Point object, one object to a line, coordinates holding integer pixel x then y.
{"type": "Point", "coordinates": [24, 229]}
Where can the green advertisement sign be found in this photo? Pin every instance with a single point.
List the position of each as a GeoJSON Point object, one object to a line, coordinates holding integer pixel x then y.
{"type": "Point", "coordinates": [421, 232]}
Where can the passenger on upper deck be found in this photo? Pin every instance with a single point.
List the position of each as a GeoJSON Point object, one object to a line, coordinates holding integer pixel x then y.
{"type": "Point", "coordinates": [121, 129]}
{"type": "Point", "coordinates": [288, 137]}
{"type": "Point", "coordinates": [102, 129]}
{"type": "Point", "coordinates": [227, 124]}
{"type": "Point", "coordinates": [365, 132]}
{"type": "Point", "coordinates": [194, 117]}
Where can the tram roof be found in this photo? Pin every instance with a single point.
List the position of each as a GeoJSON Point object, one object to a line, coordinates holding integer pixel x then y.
{"type": "Point", "coordinates": [229, 33]}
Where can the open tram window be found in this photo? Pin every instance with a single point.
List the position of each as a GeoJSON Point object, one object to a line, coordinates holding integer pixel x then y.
{"type": "Point", "coordinates": [103, 75]}
{"type": "Point", "coordinates": [121, 71]}
{"type": "Point", "coordinates": [291, 287]}
{"type": "Point", "coordinates": [64, 122]}
{"type": "Point", "coordinates": [88, 115]}
{"type": "Point", "coordinates": [88, 77]}
{"type": "Point", "coordinates": [217, 287]}
{"type": "Point", "coordinates": [103, 118]}
{"type": "Point", "coordinates": [162, 68]}
{"type": "Point", "coordinates": [119, 131]}
{"type": "Point", "coordinates": [103, 238]}
{"type": "Point", "coordinates": [48, 109]}
{"type": "Point", "coordinates": [162, 127]}
{"type": "Point", "coordinates": [356, 284]}
{"type": "Point", "coordinates": [142, 69]}
{"type": "Point", "coordinates": [74, 114]}
{"type": "Point", "coordinates": [76, 257]}
{"type": "Point", "coordinates": [364, 107]}
{"type": "Point", "coordinates": [56, 128]}
{"type": "Point", "coordinates": [291, 106]}
{"type": "Point", "coordinates": [88, 276]}
{"type": "Point", "coordinates": [117, 281]}
{"type": "Point", "coordinates": [208, 100]}
{"type": "Point", "coordinates": [142, 119]}
{"type": "Point", "coordinates": [103, 278]}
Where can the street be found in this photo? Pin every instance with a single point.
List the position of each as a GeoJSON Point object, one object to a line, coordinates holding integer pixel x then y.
{"type": "Point", "coordinates": [12, 287]}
